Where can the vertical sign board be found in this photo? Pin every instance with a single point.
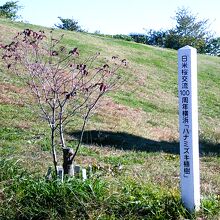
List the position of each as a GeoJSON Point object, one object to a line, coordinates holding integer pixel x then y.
{"type": "Point", "coordinates": [188, 128]}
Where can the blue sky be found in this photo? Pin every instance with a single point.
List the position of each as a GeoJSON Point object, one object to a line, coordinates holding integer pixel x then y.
{"type": "Point", "coordinates": [117, 16]}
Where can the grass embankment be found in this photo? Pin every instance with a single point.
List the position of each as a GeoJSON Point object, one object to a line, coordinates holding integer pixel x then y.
{"type": "Point", "coordinates": [136, 128]}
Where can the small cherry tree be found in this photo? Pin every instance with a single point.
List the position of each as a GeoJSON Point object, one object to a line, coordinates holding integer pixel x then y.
{"type": "Point", "coordinates": [62, 84]}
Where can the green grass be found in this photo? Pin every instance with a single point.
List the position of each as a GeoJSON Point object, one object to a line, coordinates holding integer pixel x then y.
{"type": "Point", "coordinates": [129, 99]}
{"type": "Point", "coordinates": [136, 129]}
{"type": "Point", "coordinates": [108, 198]}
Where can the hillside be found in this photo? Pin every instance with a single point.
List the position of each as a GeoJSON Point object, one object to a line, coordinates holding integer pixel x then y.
{"type": "Point", "coordinates": [138, 122]}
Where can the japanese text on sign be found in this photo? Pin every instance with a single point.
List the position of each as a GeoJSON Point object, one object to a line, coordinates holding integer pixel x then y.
{"type": "Point", "coordinates": [184, 92]}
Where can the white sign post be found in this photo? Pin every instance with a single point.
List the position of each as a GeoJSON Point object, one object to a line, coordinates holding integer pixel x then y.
{"type": "Point", "coordinates": [188, 128]}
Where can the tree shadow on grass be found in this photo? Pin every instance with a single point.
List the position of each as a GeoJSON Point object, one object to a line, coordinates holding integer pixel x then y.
{"type": "Point", "coordinates": [126, 141]}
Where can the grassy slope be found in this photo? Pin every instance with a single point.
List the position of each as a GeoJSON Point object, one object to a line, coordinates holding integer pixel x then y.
{"type": "Point", "coordinates": [141, 115]}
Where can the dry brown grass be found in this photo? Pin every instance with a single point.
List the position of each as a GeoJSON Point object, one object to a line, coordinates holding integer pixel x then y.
{"type": "Point", "coordinates": [11, 94]}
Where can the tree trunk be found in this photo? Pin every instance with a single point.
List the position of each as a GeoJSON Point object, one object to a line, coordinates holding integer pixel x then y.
{"type": "Point", "coordinates": [68, 161]}
{"type": "Point", "coordinates": [61, 128]}
{"type": "Point", "coordinates": [54, 149]}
